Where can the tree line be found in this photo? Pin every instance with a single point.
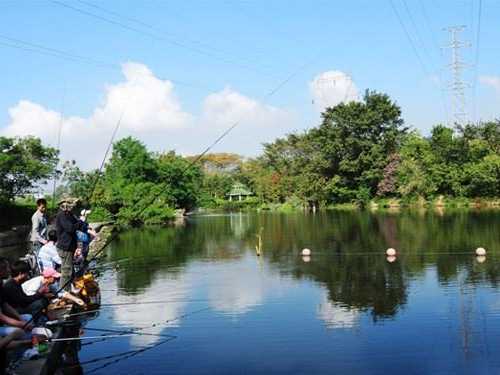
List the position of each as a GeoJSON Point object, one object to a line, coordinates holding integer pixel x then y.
{"type": "Point", "coordinates": [361, 151]}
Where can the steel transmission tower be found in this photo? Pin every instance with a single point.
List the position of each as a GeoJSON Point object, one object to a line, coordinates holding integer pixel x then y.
{"type": "Point", "coordinates": [457, 85]}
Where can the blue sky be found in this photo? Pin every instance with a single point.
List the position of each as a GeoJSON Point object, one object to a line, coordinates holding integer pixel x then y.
{"type": "Point", "coordinates": [222, 58]}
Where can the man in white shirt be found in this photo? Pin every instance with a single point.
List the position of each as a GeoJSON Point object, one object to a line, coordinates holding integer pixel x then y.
{"type": "Point", "coordinates": [48, 257]}
{"type": "Point", "coordinates": [46, 284]}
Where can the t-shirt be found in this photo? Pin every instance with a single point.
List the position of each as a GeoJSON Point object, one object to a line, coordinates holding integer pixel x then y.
{"type": "Point", "coordinates": [48, 256]}
{"type": "Point", "coordinates": [14, 295]}
{"type": "Point", "coordinates": [31, 286]}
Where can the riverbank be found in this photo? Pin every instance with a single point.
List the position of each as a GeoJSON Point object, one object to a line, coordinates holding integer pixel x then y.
{"type": "Point", "coordinates": [439, 203]}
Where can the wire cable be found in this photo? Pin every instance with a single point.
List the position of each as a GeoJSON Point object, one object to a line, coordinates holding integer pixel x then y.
{"type": "Point", "coordinates": [157, 37]}
{"type": "Point", "coordinates": [476, 60]}
{"type": "Point", "coordinates": [68, 56]}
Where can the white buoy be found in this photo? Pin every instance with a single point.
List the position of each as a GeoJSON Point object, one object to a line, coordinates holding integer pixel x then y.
{"type": "Point", "coordinates": [390, 252]}
{"type": "Point", "coordinates": [391, 259]}
{"type": "Point", "coordinates": [481, 251]}
{"type": "Point", "coordinates": [306, 258]}
{"type": "Point", "coordinates": [481, 259]}
{"type": "Point", "coordinates": [306, 252]}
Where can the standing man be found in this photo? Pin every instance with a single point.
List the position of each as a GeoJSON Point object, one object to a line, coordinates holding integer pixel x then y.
{"type": "Point", "coordinates": [66, 226]}
{"type": "Point", "coordinates": [38, 235]}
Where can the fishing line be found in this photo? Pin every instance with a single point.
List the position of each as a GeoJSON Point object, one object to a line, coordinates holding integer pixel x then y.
{"type": "Point", "coordinates": [152, 302]}
{"type": "Point", "coordinates": [63, 102]}
{"type": "Point", "coordinates": [110, 144]}
{"type": "Point", "coordinates": [129, 356]}
{"type": "Point", "coordinates": [111, 356]}
{"type": "Point", "coordinates": [70, 280]}
{"type": "Point", "coordinates": [127, 331]}
{"type": "Point", "coordinates": [158, 324]}
{"type": "Point", "coordinates": [92, 337]}
{"type": "Point", "coordinates": [195, 160]}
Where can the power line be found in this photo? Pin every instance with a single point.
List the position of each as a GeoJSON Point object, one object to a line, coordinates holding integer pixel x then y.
{"type": "Point", "coordinates": [476, 60]}
{"type": "Point", "coordinates": [438, 49]}
{"type": "Point", "coordinates": [410, 40]}
{"type": "Point", "coordinates": [415, 51]}
{"type": "Point", "coordinates": [69, 56]}
{"type": "Point", "coordinates": [156, 36]}
{"type": "Point", "coordinates": [417, 33]}
{"type": "Point", "coordinates": [144, 24]}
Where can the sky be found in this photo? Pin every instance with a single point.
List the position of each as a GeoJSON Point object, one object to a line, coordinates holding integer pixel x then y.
{"type": "Point", "coordinates": [176, 74]}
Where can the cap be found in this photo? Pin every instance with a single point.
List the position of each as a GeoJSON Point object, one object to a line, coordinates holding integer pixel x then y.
{"type": "Point", "coordinates": [50, 272]}
{"type": "Point", "coordinates": [68, 199]}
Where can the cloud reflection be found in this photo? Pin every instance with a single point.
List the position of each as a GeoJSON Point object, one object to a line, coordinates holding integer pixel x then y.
{"type": "Point", "coordinates": [336, 316]}
{"type": "Point", "coordinates": [140, 314]}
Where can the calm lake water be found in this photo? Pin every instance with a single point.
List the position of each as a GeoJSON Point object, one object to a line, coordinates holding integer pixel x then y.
{"type": "Point", "coordinates": [347, 309]}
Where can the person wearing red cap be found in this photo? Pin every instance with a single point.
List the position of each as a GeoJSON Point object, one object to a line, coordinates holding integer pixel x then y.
{"type": "Point", "coordinates": [47, 283]}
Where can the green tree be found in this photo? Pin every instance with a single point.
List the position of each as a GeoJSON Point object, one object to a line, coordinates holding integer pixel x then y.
{"type": "Point", "coordinates": [24, 162]}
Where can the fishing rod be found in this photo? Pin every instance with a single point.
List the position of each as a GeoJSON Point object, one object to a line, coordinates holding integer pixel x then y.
{"type": "Point", "coordinates": [195, 160]}
{"type": "Point", "coordinates": [59, 132]}
{"type": "Point", "coordinates": [153, 325]}
{"type": "Point", "coordinates": [198, 157]}
{"type": "Point", "coordinates": [108, 148]}
{"type": "Point", "coordinates": [91, 337]}
{"type": "Point", "coordinates": [127, 331]}
{"type": "Point", "coordinates": [134, 353]}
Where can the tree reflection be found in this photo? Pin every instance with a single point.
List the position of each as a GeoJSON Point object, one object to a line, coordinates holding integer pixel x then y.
{"type": "Point", "coordinates": [347, 251]}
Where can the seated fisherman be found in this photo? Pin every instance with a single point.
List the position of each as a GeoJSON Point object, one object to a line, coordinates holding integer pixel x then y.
{"type": "Point", "coordinates": [48, 257]}
{"type": "Point", "coordinates": [14, 295]}
{"type": "Point", "coordinates": [11, 322]}
{"type": "Point", "coordinates": [48, 280]}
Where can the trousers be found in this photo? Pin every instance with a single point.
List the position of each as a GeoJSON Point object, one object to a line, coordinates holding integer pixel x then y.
{"type": "Point", "coordinates": [66, 268]}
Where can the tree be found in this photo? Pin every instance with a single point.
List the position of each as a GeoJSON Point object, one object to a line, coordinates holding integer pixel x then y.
{"type": "Point", "coordinates": [24, 162]}
{"type": "Point", "coordinates": [181, 179]}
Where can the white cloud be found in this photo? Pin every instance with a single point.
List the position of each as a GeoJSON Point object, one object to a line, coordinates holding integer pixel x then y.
{"type": "Point", "coordinates": [148, 105]}
{"type": "Point", "coordinates": [331, 88]}
{"type": "Point", "coordinates": [257, 122]}
{"type": "Point", "coordinates": [492, 81]}
{"type": "Point", "coordinates": [152, 113]}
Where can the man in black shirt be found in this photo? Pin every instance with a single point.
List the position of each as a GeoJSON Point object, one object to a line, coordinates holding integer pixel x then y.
{"type": "Point", "coordinates": [66, 226]}
{"type": "Point", "coordinates": [14, 295]}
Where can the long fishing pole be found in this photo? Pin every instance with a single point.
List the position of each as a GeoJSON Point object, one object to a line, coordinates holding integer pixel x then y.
{"type": "Point", "coordinates": [108, 148]}
{"type": "Point", "coordinates": [59, 133]}
{"type": "Point", "coordinates": [70, 280]}
{"type": "Point", "coordinates": [138, 351]}
{"type": "Point", "coordinates": [223, 135]}
{"type": "Point", "coordinates": [195, 160]}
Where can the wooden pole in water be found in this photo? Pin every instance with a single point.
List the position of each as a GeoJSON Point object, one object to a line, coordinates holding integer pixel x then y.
{"type": "Point", "coordinates": [258, 248]}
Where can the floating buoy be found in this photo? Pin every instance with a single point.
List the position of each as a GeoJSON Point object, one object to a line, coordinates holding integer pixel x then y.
{"type": "Point", "coordinates": [481, 251]}
{"type": "Point", "coordinates": [390, 252]}
{"type": "Point", "coordinates": [391, 259]}
{"type": "Point", "coordinates": [306, 252]}
{"type": "Point", "coordinates": [306, 258]}
{"type": "Point", "coordinates": [481, 259]}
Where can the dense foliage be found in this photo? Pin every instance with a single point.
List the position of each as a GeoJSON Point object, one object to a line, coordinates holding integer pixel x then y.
{"type": "Point", "coordinates": [137, 186]}
{"type": "Point", "coordinates": [361, 151]}
{"type": "Point", "coordinates": [24, 162]}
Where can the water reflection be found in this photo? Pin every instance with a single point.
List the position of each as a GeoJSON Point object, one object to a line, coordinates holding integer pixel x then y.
{"type": "Point", "coordinates": [347, 259]}
{"type": "Point", "coordinates": [347, 300]}
{"type": "Point", "coordinates": [336, 316]}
